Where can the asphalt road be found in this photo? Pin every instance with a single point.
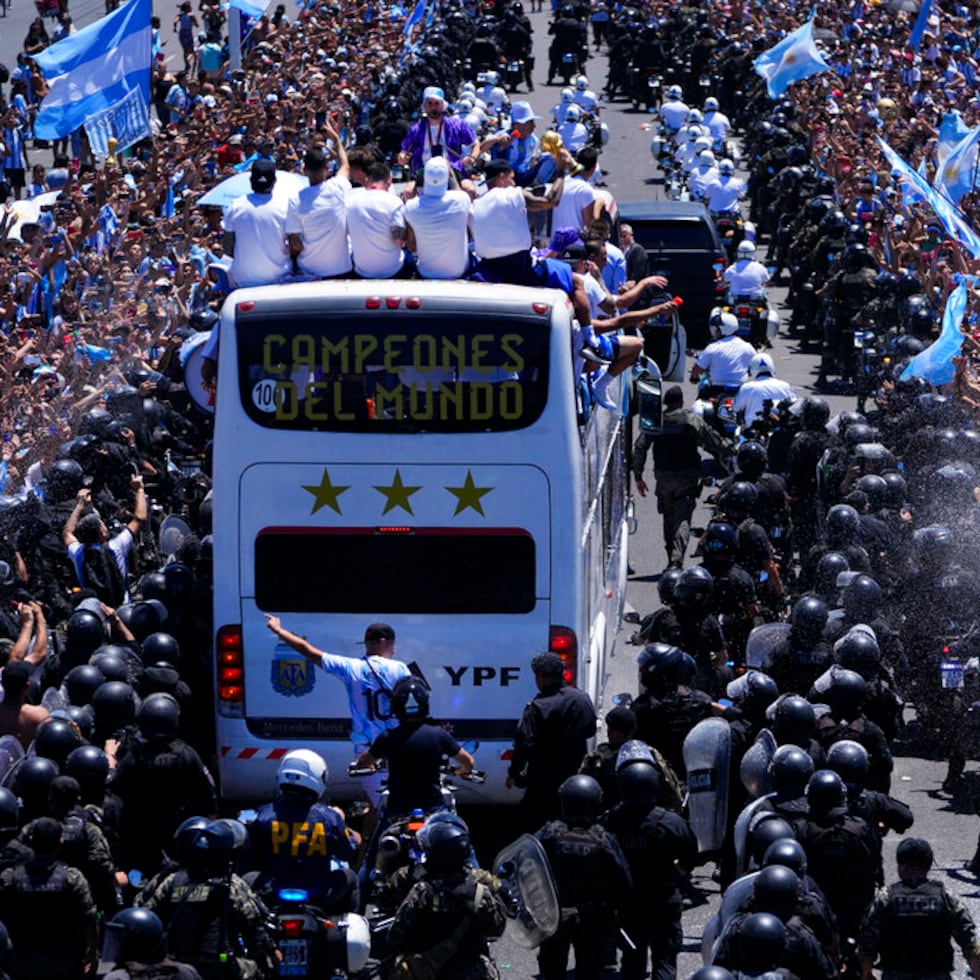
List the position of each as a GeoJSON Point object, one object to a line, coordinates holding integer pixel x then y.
{"type": "Point", "coordinates": [950, 824]}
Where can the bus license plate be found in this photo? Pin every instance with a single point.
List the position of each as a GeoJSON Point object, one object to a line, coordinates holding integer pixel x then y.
{"type": "Point", "coordinates": [293, 957]}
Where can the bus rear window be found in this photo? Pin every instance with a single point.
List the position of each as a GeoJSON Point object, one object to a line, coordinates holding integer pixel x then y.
{"type": "Point", "coordinates": [367, 570]}
{"type": "Point", "coordinates": [373, 371]}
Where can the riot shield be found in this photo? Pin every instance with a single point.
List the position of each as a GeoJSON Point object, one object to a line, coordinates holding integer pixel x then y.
{"type": "Point", "coordinates": [742, 825]}
{"type": "Point", "coordinates": [634, 751]}
{"type": "Point", "coordinates": [764, 642]}
{"type": "Point", "coordinates": [54, 700]}
{"type": "Point", "coordinates": [754, 769]}
{"type": "Point", "coordinates": [707, 756]}
{"type": "Point", "coordinates": [11, 752]}
{"type": "Point", "coordinates": [529, 893]}
{"type": "Point", "coordinates": [173, 531]}
{"type": "Point", "coordinates": [736, 898]}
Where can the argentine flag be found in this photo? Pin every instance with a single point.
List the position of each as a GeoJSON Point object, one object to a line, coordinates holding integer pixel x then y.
{"type": "Point", "coordinates": [935, 363]}
{"type": "Point", "coordinates": [794, 58]}
{"type": "Point", "coordinates": [956, 176]}
{"type": "Point", "coordinates": [99, 78]}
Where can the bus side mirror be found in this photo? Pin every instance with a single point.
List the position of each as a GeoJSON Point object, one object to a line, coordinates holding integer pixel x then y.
{"type": "Point", "coordinates": [649, 398]}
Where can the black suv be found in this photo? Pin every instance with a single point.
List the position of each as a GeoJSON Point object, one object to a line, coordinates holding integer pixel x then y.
{"type": "Point", "coordinates": [682, 244]}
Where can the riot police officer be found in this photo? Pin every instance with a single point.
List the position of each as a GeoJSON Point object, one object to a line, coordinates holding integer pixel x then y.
{"type": "Point", "coordinates": [298, 841]}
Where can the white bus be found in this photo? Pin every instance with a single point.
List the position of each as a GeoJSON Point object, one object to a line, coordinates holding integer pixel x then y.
{"type": "Point", "coordinates": [415, 453]}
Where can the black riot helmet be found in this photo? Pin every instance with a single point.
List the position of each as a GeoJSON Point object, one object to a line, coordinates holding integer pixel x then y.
{"type": "Point", "coordinates": [766, 828]}
{"type": "Point", "coordinates": [63, 479]}
{"type": "Point", "coordinates": [934, 545]}
{"type": "Point", "coordinates": [186, 835]}
{"type": "Point", "coordinates": [153, 585]}
{"type": "Point", "coordinates": [777, 890]}
{"type": "Point", "coordinates": [410, 700]}
{"type": "Point", "coordinates": [739, 499]}
{"type": "Point", "coordinates": [789, 771]}
{"type": "Point", "coordinates": [114, 704]}
{"type": "Point", "coordinates": [861, 599]}
{"type": "Point", "coordinates": [55, 739]}
{"type": "Point", "coordinates": [695, 588]}
{"type": "Point", "coordinates": [111, 664]}
{"type": "Point", "coordinates": [787, 852]}
{"type": "Point", "coordinates": [897, 488]}
{"type": "Point", "coordinates": [82, 682]}
{"type": "Point", "coordinates": [82, 716]}
{"type": "Point", "coordinates": [94, 422]}
{"type": "Point", "coordinates": [160, 648]}
{"type": "Point", "coordinates": [143, 618]}
{"type": "Point", "coordinates": [794, 720]}
{"type": "Point", "coordinates": [849, 760]}
{"type": "Point", "coordinates": [667, 585]}
{"type": "Point", "coordinates": [886, 283]}
{"type": "Point", "coordinates": [90, 766]}
{"type": "Point", "coordinates": [9, 811]}
{"type": "Point", "coordinates": [828, 568]}
{"type": "Point", "coordinates": [660, 664]}
{"type": "Point", "coordinates": [752, 459]}
{"type": "Point", "coordinates": [32, 780]}
{"type": "Point", "coordinates": [875, 488]}
{"type": "Point", "coordinates": [815, 414]}
{"type": "Point", "coordinates": [809, 619]}
{"type": "Point", "coordinates": [846, 694]}
{"type": "Point", "coordinates": [761, 942]}
{"type": "Point", "coordinates": [833, 223]}
{"type": "Point", "coordinates": [718, 543]}
{"type": "Point", "coordinates": [909, 284]}
{"type": "Point", "coordinates": [84, 632]}
{"type": "Point", "coordinates": [843, 524]}
{"type": "Point", "coordinates": [158, 717]}
{"type": "Point", "coordinates": [858, 650]}
{"type": "Point", "coordinates": [856, 256]}
{"type": "Point", "coordinates": [826, 795]}
{"type": "Point", "coordinates": [712, 973]}
{"type": "Point", "coordinates": [638, 783]}
{"type": "Point", "coordinates": [857, 433]}
{"type": "Point", "coordinates": [818, 207]}
{"type": "Point", "coordinates": [446, 845]}
{"type": "Point", "coordinates": [580, 798]}
{"type": "Point", "coordinates": [134, 935]}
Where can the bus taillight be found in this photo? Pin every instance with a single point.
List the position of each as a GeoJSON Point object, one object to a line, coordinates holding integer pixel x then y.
{"type": "Point", "coordinates": [562, 640]}
{"type": "Point", "coordinates": [231, 667]}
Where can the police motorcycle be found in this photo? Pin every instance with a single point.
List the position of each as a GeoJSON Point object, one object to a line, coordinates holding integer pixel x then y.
{"type": "Point", "coordinates": [716, 405]}
{"type": "Point", "coordinates": [730, 226]}
{"type": "Point", "coordinates": [317, 935]}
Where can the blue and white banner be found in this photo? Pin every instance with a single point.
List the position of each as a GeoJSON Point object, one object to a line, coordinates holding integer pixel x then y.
{"type": "Point", "coordinates": [95, 70]}
{"type": "Point", "coordinates": [252, 8]}
{"type": "Point", "coordinates": [935, 363]}
{"type": "Point", "coordinates": [794, 58]}
{"type": "Point", "coordinates": [128, 121]}
{"type": "Point", "coordinates": [921, 22]}
{"type": "Point", "coordinates": [958, 172]}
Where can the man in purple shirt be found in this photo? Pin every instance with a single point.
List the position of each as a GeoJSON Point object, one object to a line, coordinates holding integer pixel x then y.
{"type": "Point", "coordinates": [437, 134]}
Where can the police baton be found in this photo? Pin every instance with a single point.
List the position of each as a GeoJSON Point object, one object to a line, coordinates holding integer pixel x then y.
{"type": "Point", "coordinates": [627, 942]}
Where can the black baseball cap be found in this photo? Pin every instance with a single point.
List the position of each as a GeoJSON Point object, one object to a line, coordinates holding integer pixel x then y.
{"type": "Point", "coordinates": [495, 168]}
{"type": "Point", "coordinates": [263, 176]}
{"type": "Point", "coordinates": [576, 252]}
{"type": "Point", "coordinates": [378, 631]}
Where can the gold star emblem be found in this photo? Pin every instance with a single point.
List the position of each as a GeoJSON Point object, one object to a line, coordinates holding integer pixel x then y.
{"type": "Point", "coordinates": [468, 495]}
{"type": "Point", "coordinates": [326, 494]}
{"type": "Point", "coordinates": [397, 494]}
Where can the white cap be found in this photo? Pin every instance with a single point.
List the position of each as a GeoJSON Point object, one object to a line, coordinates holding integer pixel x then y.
{"type": "Point", "coordinates": [435, 177]}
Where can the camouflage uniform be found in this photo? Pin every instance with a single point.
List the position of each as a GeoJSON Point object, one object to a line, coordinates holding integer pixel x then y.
{"type": "Point", "coordinates": [206, 918]}
{"type": "Point", "coordinates": [446, 921]}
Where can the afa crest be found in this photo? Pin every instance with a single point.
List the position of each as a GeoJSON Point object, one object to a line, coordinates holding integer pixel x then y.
{"type": "Point", "coordinates": [292, 674]}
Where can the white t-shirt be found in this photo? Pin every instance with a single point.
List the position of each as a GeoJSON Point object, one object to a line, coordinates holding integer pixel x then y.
{"type": "Point", "coordinates": [573, 135]}
{"type": "Point", "coordinates": [674, 114]}
{"type": "Point", "coordinates": [119, 547]}
{"type": "Point", "coordinates": [753, 395]}
{"type": "Point", "coordinates": [726, 360]}
{"type": "Point", "coordinates": [318, 215]}
{"type": "Point", "coordinates": [700, 180]}
{"type": "Point", "coordinates": [441, 239]}
{"type": "Point", "coordinates": [498, 223]}
{"type": "Point", "coordinates": [747, 278]}
{"type": "Point", "coordinates": [596, 295]}
{"type": "Point", "coordinates": [371, 215]}
{"type": "Point", "coordinates": [718, 123]}
{"type": "Point", "coordinates": [258, 222]}
{"type": "Point", "coordinates": [724, 193]}
{"type": "Point", "coordinates": [576, 195]}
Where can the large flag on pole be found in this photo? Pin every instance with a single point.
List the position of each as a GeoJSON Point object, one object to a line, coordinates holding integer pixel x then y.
{"type": "Point", "coordinates": [794, 58]}
{"type": "Point", "coordinates": [935, 363]}
{"type": "Point", "coordinates": [99, 78]}
{"type": "Point", "coordinates": [921, 22]}
{"type": "Point", "coordinates": [958, 173]}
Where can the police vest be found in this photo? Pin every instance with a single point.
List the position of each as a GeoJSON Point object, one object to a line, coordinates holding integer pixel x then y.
{"type": "Point", "coordinates": [44, 900]}
{"type": "Point", "coordinates": [916, 930]}
{"type": "Point", "coordinates": [676, 448]}
{"type": "Point", "coordinates": [854, 289]}
{"type": "Point", "coordinates": [576, 855]}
